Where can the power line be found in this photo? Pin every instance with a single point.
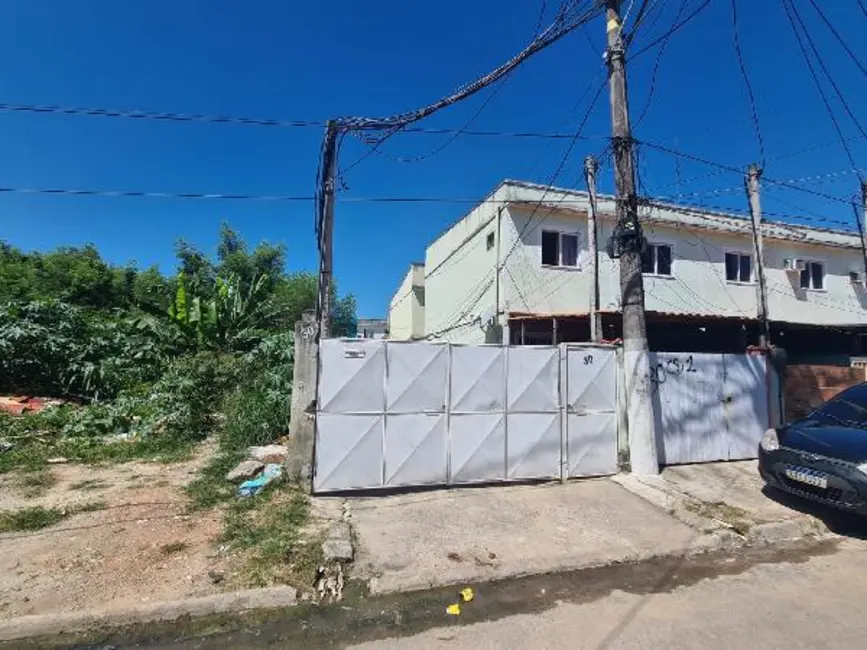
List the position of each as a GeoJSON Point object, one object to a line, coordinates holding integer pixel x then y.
{"type": "Point", "coordinates": [839, 38]}
{"type": "Point", "coordinates": [737, 44]}
{"type": "Point", "coordinates": [792, 13]}
{"type": "Point", "coordinates": [656, 65]}
{"type": "Point", "coordinates": [674, 28]}
{"type": "Point", "coordinates": [255, 121]}
{"type": "Point", "coordinates": [735, 170]}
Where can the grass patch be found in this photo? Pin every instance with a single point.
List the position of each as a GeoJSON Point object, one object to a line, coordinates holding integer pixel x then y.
{"type": "Point", "coordinates": [30, 519]}
{"type": "Point", "coordinates": [173, 548]}
{"type": "Point", "coordinates": [34, 456]}
{"type": "Point", "coordinates": [37, 482]}
{"type": "Point", "coordinates": [266, 530]}
{"type": "Point", "coordinates": [210, 487]}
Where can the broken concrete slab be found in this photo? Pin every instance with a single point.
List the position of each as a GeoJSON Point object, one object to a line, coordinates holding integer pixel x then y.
{"type": "Point", "coordinates": [338, 550]}
{"type": "Point", "coordinates": [244, 470]}
{"type": "Point", "coordinates": [338, 545]}
{"type": "Point", "coordinates": [269, 454]}
{"type": "Point", "coordinates": [415, 541]}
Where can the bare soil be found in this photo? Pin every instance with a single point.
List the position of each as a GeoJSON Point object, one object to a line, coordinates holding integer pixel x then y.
{"type": "Point", "coordinates": [141, 546]}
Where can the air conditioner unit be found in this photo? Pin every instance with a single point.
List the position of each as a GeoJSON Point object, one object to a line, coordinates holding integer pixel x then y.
{"type": "Point", "coordinates": [794, 265]}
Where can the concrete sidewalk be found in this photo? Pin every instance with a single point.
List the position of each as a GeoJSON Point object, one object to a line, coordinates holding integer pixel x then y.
{"type": "Point", "coordinates": [430, 539]}
{"type": "Point", "coordinates": [731, 495]}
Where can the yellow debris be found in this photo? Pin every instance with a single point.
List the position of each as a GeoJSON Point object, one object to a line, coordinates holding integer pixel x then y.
{"type": "Point", "coordinates": [467, 594]}
{"type": "Point", "coordinates": [453, 610]}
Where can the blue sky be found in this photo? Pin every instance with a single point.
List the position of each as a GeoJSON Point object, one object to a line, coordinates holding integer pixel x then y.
{"type": "Point", "coordinates": [305, 60]}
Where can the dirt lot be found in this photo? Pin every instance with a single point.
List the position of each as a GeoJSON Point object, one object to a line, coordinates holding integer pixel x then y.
{"type": "Point", "coordinates": [136, 544]}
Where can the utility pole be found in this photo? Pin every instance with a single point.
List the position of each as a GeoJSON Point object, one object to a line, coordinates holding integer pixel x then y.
{"type": "Point", "coordinates": [863, 227]}
{"type": "Point", "coordinates": [590, 167]}
{"type": "Point", "coordinates": [628, 244]}
{"type": "Point", "coordinates": [754, 173]}
{"type": "Point", "coordinates": [326, 229]}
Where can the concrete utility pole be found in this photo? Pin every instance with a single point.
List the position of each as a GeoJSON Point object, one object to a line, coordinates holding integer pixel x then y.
{"type": "Point", "coordinates": [590, 167]}
{"type": "Point", "coordinates": [863, 227]}
{"type": "Point", "coordinates": [754, 173]}
{"type": "Point", "coordinates": [326, 232]}
{"type": "Point", "coordinates": [628, 244]}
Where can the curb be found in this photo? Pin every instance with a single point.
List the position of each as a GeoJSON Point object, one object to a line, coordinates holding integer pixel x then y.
{"type": "Point", "coordinates": [25, 627]}
{"type": "Point", "coordinates": [656, 491]}
{"type": "Point", "coordinates": [673, 503]}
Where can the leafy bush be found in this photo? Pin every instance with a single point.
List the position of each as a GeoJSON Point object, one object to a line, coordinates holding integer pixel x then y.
{"type": "Point", "coordinates": [51, 348]}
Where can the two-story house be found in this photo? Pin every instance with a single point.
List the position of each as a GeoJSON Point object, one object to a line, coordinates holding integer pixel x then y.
{"type": "Point", "coordinates": [518, 268]}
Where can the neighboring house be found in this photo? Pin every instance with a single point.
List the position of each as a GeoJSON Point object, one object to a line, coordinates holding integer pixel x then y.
{"type": "Point", "coordinates": [406, 310]}
{"type": "Point", "coordinates": [372, 328]}
{"type": "Point", "coordinates": [517, 269]}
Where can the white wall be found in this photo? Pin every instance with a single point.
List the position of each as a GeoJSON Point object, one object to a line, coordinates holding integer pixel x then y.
{"type": "Point", "coordinates": [406, 309]}
{"type": "Point", "coordinates": [698, 284]}
{"type": "Point", "coordinates": [461, 284]}
{"type": "Point", "coordinates": [460, 276]}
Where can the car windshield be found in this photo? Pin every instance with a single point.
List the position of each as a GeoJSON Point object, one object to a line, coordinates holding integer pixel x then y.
{"type": "Point", "coordinates": [849, 407]}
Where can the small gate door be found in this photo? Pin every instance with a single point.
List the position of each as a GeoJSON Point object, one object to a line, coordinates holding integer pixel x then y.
{"type": "Point", "coordinates": [745, 400]}
{"type": "Point", "coordinates": [591, 411]}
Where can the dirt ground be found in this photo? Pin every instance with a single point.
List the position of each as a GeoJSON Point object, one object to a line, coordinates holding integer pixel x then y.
{"type": "Point", "coordinates": [141, 546]}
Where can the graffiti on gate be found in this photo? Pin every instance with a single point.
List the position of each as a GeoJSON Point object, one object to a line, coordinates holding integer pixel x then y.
{"type": "Point", "coordinates": [674, 368]}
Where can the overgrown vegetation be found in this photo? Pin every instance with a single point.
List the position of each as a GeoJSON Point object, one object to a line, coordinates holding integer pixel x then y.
{"type": "Point", "coordinates": [266, 534]}
{"type": "Point", "coordinates": [37, 518]}
{"type": "Point", "coordinates": [149, 364]}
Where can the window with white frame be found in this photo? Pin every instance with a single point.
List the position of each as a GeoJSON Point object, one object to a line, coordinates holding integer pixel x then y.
{"type": "Point", "coordinates": [813, 275]}
{"type": "Point", "coordinates": [739, 267]}
{"type": "Point", "coordinates": [559, 248]}
{"type": "Point", "coordinates": [656, 260]}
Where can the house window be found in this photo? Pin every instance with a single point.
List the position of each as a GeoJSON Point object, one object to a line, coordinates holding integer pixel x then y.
{"type": "Point", "coordinates": [559, 249]}
{"type": "Point", "coordinates": [656, 259]}
{"type": "Point", "coordinates": [490, 240]}
{"type": "Point", "coordinates": [813, 276]}
{"type": "Point", "coordinates": [739, 267]}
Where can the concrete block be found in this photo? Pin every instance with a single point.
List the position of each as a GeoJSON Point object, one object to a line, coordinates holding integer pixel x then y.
{"type": "Point", "coordinates": [245, 469]}
{"type": "Point", "coordinates": [268, 454]}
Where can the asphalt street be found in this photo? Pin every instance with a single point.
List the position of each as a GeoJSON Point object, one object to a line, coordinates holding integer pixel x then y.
{"type": "Point", "coordinates": [817, 603]}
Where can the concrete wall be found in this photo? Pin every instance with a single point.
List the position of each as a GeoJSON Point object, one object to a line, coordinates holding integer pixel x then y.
{"type": "Point", "coordinates": [407, 306]}
{"type": "Point", "coordinates": [460, 276]}
{"type": "Point", "coordinates": [462, 287]}
{"type": "Point", "coordinates": [698, 283]}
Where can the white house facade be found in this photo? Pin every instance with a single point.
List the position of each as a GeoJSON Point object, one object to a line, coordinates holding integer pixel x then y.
{"type": "Point", "coordinates": [518, 268]}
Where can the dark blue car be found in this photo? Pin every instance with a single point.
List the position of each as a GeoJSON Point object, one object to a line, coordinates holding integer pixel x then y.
{"type": "Point", "coordinates": [824, 456]}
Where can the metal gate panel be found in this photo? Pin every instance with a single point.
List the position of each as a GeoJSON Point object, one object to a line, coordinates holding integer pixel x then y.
{"type": "Point", "coordinates": [533, 445]}
{"type": "Point", "coordinates": [592, 449]}
{"type": "Point", "coordinates": [591, 411]}
{"type": "Point", "coordinates": [477, 384]}
{"type": "Point", "coordinates": [348, 452]}
{"type": "Point", "coordinates": [415, 449]}
{"type": "Point", "coordinates": [592, 379]}
{"type": "Point", "coordinates": [745, 401]}
{"type": "Point", "coordinates": [417, 375]}
{"type": "Point", "coordinates": [477, 448]}
{"type": "Point", "coordinates": [351, 376]}
{"type": "Point", "coordinates": [532, 384]}
{"type": "Point", "coordinates": [687, 393]}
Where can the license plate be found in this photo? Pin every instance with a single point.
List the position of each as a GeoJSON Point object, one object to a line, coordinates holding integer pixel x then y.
{"type": "Point", "coordinates": [809, 477]}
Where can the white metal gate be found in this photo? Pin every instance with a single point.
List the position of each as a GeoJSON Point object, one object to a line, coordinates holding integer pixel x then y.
{"type": "Point", "coordinates": [708, 407]}
{"type": "Point", "coordinates": [591, 411]}
{"type": "Point", "coordinates": [393, 414]}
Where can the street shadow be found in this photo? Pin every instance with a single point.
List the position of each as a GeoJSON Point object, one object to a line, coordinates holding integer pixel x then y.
{"type": "Point", "coordinates": [837, 521]}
